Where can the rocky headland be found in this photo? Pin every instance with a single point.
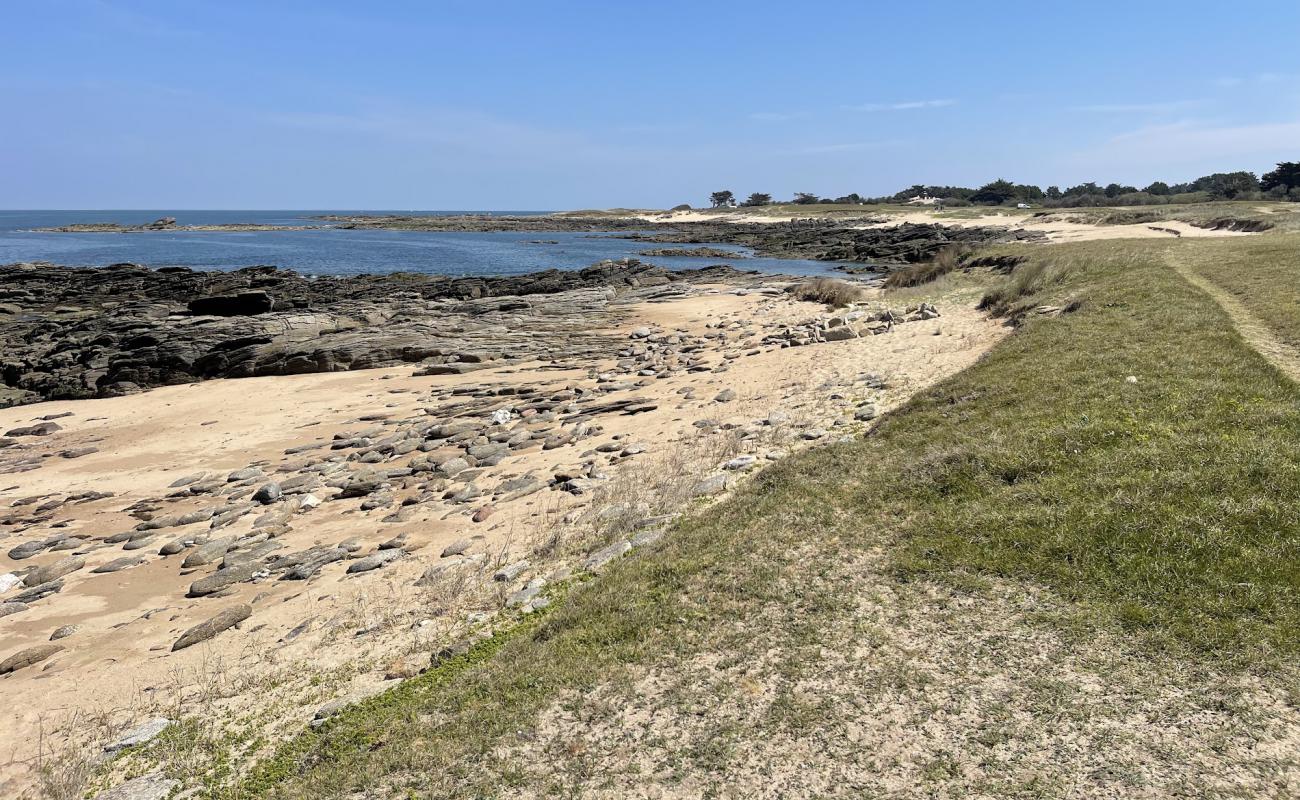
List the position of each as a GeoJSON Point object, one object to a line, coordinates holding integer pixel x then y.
{"type": "Point", "coordinates": [882, 247]}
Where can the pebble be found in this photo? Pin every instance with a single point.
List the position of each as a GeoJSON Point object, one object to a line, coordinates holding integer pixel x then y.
{"type": "Point", "coordinates": [865, 413]}
{"type": "Point", "coordinates": [456, 548]}
{"type": "Point", "coordinates": [511, 572]}
{"type": "Point", "coordinates": [375, 561]}
{"type": "Point", "coordinates": [63, 632]}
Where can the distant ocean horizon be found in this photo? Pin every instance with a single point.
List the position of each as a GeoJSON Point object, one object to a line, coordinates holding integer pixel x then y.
{"type": "Point", "coordinates": [334, 252]}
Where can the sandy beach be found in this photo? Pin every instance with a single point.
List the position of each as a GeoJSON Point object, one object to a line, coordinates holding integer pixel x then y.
{"type": "Point", "coordinates": [704, 383]}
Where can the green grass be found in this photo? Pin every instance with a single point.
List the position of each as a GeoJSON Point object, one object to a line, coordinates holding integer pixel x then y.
{"type": "Point", "coordinates": [1263, 272]}
{"type": "Point", "coordinates": [1170, 503]}
{"type": "Point", "coordinates": [1169, 508]}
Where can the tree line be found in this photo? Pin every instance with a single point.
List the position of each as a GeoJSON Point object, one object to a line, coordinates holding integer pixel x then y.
{"type": "Point", "coordinates": [1282, 183]}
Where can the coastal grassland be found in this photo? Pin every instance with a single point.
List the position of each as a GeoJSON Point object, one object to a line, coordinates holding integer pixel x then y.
{"type": "Point", "coordinates": [1276, 216]}
{"type": "Point", "coordinates": [1038, 579]}
{"type": "Point", "coordinates": [1261, 272]}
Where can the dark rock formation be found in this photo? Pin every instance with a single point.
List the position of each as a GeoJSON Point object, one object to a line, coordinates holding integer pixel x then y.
{"type": "Point", "coordinates": [690, 252]}
{"type": "Point", "coordinates": [84, 332]}
{"type": "Point", "coordinates": [825, 240]}
{"type": "Point", "coordinates": [244, 304]}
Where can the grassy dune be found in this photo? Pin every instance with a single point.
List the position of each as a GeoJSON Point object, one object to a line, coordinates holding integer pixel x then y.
{"type": "Point", "coordinates": [1036, 554]}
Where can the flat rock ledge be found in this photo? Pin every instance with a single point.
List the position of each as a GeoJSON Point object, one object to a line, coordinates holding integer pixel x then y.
{"type": "Point", "coordinates": [69, 333]}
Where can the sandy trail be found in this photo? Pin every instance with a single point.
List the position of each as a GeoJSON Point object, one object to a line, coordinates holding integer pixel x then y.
{"type": "Point", "coordinates": [333, 636]}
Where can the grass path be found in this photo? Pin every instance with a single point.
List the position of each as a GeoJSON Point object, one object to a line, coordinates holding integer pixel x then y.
{"type": "Point", "coordinates": [1256, 333]}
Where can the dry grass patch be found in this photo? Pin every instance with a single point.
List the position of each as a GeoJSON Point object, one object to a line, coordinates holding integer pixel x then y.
{"type": "Point", "coordinates": [834, 293]}
{"type": "Point", "coordinates": [945, 261]}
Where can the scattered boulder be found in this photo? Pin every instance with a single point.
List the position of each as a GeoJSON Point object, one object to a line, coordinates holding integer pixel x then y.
{"type": "Point", "coordinates": [206, 630]}
{"type": "Point", "coordinates": [28, 657]}
{"type": "Point", "coordinates": [143, 733]}
{"type": "Point", "coordinates": [54, 571]}
{"type": "Point", "coordinates": [380, 559]}
{"type": "Point", "coordinates": [268, 494]}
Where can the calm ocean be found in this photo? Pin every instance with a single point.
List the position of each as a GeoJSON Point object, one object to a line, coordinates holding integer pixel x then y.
{"type": "Point", "coordinates": [330, 252]}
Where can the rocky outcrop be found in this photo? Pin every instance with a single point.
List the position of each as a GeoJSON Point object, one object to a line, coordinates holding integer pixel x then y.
{"type": "Point", "coordinates": [75, 332]}
{"type": "Point", "coordinates": [690, 252]}
{"type": "Point", "coordinates": [824, 240]}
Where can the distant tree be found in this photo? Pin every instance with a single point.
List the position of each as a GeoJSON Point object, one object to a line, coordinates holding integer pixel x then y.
{"type": "Point", "coordinates": [1287, 175]}
{"type": "Point", "coordinates": [757, 199]}
{"type": "Point", "coordinates": [1027, 191]}
{"type": "Point", "coordinates": [850, 199]}
{"type": "Point", "coordinates": [1159, 188]}
{"type": "Point", "coordinates": [1227, 185]}
{"type": "Point", "coordinates": [722, 198]}
{"type": "Point", "coordinates": [1114, 190]}
{"type": "Point", "coordinates": [1082, 189]}
{"type": "Point", "coordinates": [1053, 193]}
{"type": "Point", "coordinates": [995, 193]}
{"type": "Point", "coordinates": [804, 198]}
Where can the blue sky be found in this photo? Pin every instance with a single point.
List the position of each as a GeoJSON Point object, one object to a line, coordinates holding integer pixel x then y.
{"type": "Point", "coordinates": [532, 105]}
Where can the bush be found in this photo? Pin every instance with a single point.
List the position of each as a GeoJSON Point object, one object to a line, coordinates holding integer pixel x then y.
{"type": "Point", "coordinates": [833, 293]}
{"type": "Point", "coordinates": [1131, 217]}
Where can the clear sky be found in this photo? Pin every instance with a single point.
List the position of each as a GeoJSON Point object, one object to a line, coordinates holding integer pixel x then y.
{"type": "Point", "coordinates": [547, 105]}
